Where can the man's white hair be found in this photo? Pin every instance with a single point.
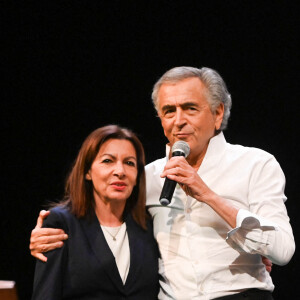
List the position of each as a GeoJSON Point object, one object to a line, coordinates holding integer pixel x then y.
{"type": "Point", "coordinates": [216, 88]}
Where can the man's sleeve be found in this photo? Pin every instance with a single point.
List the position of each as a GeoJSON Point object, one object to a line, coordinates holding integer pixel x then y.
{"type": "Point", "coordinates": [265, 229]}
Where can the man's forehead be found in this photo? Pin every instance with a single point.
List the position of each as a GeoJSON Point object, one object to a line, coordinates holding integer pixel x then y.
{"type": "Point", "coordinates": [184, 91]}
{"type": "Point", "coordinates": [189, 80]}
{"type": "Point", "coordinates": [191, 85]}
{"type": "Point", "coordinates": [181, 103]}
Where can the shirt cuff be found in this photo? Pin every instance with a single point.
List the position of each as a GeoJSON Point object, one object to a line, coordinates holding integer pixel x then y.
{"type": "Point", "coordinates": [252, 234]}
{"type": "Point", "coordinates": [247, 220]}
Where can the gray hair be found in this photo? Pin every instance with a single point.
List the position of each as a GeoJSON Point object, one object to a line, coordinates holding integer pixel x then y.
{"type": "Point", "coordinates": [215, 85]}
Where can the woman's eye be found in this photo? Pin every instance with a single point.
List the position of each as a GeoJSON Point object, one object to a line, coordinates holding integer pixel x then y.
{"type": "Point", "coordinates": [107, 160]}
{"type": "Point", "coordinates": [130, 163]}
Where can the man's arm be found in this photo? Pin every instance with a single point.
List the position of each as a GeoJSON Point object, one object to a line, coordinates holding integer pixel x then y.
{"type": "Point", "coordinates": [262, 232]}
{"type": "Point", "coordinates": [49, 277]}
{"type": "Point", "coordinates": [179, 170]}
{"type": "Point", "coordinates": [45, 239]}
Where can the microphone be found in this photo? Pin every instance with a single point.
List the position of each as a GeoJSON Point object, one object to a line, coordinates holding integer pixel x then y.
{"type": "Point", "coordinates": [180, 148]}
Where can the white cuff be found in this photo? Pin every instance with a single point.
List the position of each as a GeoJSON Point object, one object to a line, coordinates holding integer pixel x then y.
{"type": "Point", "coordinates": [247, 220]}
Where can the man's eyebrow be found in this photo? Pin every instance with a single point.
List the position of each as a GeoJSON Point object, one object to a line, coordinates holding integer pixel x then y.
{"type": "Point", "coordinates": [166, 107]}
{"type": "Point", "coordinates": [187, 104]}
{"type": "Point", "coordinates": [183, 105]}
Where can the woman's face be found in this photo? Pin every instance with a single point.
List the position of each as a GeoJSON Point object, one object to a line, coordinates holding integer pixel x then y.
{"type": "Point", "coordinates": [114, 171]}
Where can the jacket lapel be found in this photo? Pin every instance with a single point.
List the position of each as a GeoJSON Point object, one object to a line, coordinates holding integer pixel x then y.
{"type": "Point", "coordinates": [136, 246]}
{"type": "Point", "coordinates": [97, 241]}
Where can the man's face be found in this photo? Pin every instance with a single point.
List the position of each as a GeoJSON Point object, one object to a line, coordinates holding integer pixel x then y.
{"type": "Point", "coordinates": [186, 115]}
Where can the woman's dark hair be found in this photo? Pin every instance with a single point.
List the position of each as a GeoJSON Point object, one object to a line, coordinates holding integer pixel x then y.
{"type": "Point", "coordinates": [79, 191]}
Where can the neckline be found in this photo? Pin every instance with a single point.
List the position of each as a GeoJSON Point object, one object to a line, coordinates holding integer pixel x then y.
{"type": "Point", "coordinates": [112, 231]}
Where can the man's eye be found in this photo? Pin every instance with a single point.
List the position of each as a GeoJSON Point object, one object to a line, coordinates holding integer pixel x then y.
{"type": "Point", "coordinates": [169, 112]}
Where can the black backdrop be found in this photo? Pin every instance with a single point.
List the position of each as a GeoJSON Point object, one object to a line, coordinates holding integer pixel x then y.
{"type": "Point", "coordinates": [78, 65]}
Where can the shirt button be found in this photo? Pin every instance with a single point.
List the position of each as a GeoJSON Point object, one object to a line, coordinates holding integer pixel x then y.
{"type": "Point", "coordinates": [188, 210]}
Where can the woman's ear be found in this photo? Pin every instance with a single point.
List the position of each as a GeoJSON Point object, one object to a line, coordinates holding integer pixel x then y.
{"type": "Point", "coordinates": [88, 176]}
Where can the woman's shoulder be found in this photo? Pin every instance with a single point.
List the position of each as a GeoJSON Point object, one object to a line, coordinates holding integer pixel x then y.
{"type": "Point", "coordinates": [60, 210]}
{"type": "Point", "coordinates": [131, 223]}
{"type": "Point", "coordinates": [59, 217]}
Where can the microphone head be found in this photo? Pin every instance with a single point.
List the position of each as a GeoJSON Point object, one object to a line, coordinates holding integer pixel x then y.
{"type": "Point", "coordinates": [182, 147]}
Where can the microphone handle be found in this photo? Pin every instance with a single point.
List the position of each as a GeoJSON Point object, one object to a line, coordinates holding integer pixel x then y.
{"type": "Point", "coordinates": [167, 192]}
{"type": "Point", "coordinates": [169, 186]}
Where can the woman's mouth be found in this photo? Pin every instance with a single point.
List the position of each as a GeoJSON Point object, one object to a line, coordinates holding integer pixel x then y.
{"type": "Point", "coordinates": [120, 186]}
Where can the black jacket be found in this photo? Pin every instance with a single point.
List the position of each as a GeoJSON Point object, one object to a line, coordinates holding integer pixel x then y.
{"type": "Point", "coordinates": [85, 268]}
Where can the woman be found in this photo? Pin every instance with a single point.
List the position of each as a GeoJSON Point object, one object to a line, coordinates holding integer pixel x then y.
{"type": "Point", "coordinates": [110, 252]}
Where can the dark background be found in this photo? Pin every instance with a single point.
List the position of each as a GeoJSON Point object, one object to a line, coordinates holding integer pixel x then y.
{"type": "Point", "coordinates": [72, 67]}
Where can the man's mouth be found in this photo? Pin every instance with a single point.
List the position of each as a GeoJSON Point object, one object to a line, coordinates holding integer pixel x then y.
{"type": "Point", "coordinates": [181, 135]}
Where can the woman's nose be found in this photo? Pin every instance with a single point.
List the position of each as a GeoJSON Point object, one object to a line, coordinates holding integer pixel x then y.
{"type": "Point", "coordinates": [119, 170]}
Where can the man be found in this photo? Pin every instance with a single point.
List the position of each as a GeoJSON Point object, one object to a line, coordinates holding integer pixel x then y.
{"type": "Point", "coordinates": [228, 208]}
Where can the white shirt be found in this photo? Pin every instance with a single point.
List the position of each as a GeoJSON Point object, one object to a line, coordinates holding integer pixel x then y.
{"type": "Point", "coordinates": [202, 256]}
{"type": "Point", "coordinates": [119, 247]}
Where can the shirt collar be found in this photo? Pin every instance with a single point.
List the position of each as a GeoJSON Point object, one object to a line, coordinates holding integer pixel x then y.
{"type": "Point", "coordinates": [215, 147]}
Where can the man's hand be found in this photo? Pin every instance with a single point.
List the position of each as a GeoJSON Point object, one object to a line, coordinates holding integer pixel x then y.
{"type": "Point", "coordinates": [268, 264]}
{"type": "Point", "coordinates": [45, 239]}
{"type": "Point", "coordinates": [179, 170]}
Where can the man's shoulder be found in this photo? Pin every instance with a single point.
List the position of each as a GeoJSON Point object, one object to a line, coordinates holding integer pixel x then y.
{"type": "Point", "coordinates": [158, 163]}
{"type": "Point", "coordinates": [239, 150]}
{"type": "Point", "coordinates": [153, 180]}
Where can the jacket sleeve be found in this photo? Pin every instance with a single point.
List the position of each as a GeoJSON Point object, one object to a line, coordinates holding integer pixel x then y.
{"type": "Point", "coordinates": [265, 228]}
{"type": "Point", "coordinates": [48, 277]}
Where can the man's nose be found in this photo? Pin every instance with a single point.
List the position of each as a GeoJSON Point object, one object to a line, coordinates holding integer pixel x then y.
{"type": "Point", "coordinates": [180, 118]}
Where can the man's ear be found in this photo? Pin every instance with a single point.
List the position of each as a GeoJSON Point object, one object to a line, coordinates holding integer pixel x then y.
{"type": "Point", "coordinates": [88, 176]}
{"type": "Point", "coordinates": [219, 116]}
